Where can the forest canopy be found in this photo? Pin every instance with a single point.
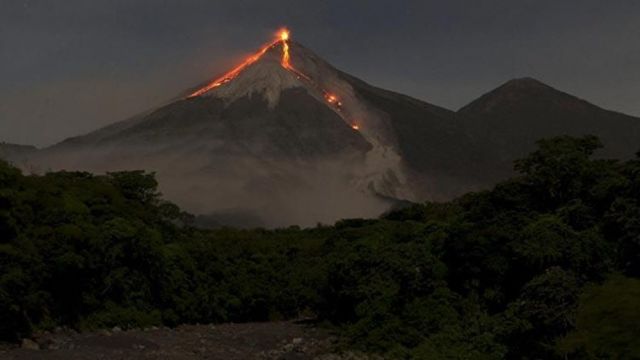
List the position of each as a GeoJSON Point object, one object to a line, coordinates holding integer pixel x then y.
{"type": "Point", "coordinates": [545, 265]}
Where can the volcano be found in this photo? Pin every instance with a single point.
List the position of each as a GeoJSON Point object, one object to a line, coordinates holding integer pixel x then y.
{"type": "Point", "coordinates": [286, 138]}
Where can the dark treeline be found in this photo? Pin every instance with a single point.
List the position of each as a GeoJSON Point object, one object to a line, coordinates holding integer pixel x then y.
{"type": "Point", "coordinates": [544, 266]}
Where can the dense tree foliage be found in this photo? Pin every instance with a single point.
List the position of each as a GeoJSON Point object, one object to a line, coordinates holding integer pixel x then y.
{"type": "Point", "coordinates": [543, 266]}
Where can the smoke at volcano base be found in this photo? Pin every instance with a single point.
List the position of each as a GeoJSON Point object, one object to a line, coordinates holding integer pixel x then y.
{"type": "Point", "coordinates": [258, 192]}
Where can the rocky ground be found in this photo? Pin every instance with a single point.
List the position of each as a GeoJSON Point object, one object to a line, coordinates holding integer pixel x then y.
{"type": "Point", "coordinates": [266, 341]}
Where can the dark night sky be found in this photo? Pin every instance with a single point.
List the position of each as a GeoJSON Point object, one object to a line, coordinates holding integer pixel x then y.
{"type": "Point", "coordinates": [69, 67]}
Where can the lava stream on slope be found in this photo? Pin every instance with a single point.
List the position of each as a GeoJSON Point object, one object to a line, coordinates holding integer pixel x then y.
{"type": "Point", "coordinates": [282, 38]}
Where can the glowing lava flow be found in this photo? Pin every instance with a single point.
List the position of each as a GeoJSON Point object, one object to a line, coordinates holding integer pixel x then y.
{"type": "Point", "coordinates": [286, 58]}
{"type": "Point", "coordinates": [235, 72]}
{"type": "Point", "coordinates": [283, 36]}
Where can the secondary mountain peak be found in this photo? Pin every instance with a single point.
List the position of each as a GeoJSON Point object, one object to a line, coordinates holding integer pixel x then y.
{"type": "Point", "coordinates": [525, 82]}
{"type": "Point", "coordinates": [521, 111]}
{"type": "Point", "coordinates": [525, 93]}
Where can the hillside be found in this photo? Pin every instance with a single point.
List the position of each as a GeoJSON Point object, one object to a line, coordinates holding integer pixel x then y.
{"type": "Point", "coordinates": [16, 152]}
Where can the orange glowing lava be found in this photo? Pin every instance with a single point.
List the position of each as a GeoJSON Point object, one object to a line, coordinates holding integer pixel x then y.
{"type": "Point", "coordinates": [286, 58]}
{"type": "Point", "coordinates": [235, 72]}
{"type": "Point", "coordinates": [282, 36]}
